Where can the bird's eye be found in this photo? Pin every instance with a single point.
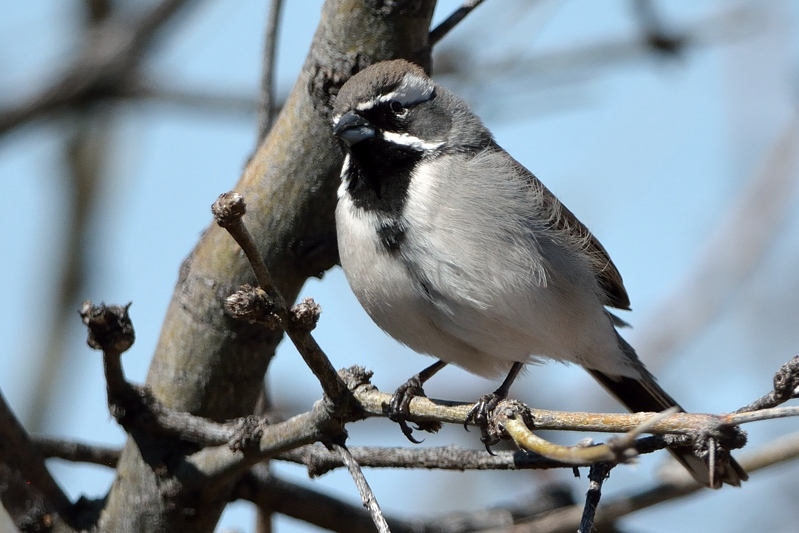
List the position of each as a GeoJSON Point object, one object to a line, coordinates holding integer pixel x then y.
{"type": "Point", "coordinates": [398, 109]}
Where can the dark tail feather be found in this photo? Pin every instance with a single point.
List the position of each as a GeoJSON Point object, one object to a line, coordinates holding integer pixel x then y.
{"type": "Point", "coordinates": [646, 395]}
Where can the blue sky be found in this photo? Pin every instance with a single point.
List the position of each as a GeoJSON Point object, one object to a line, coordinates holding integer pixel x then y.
{"type": "Point", "coordinates": [649, 151]}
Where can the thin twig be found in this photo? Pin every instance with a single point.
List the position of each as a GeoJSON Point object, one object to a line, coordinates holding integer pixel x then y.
{"type": "Point", "coordinates": [111, 330]}
{"type": "Point", "coordinates": [375, 403]}
{"type": "Point", "coordinates": [267, 104]}
{"type": "Point", "coordinates": [511, 416]}
{"type": "Point", "coordinates": [596, 477]}
{"type": "Point", "coordinates": [272, 492]}
{"type": "Point", "coordinates": [458, 15]}
{"type": "Point", "coordinates": [367, 496]}
{"type": "Point", "coordinates": [77, 452]}
{"type": "Point", "coordinates": [678, 484]}
{"type": "Point", "coordinates": [786, 387]}
{"type": "Point", "coordinates": [228, 211]}
{"type": "Point", "coordinates": [763, 414]}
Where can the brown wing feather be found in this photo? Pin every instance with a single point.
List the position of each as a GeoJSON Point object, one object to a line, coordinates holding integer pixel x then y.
{"type": "Point", "coordinates": [563, 220]}
{"type": "Point", "coordinates": [605, 271]}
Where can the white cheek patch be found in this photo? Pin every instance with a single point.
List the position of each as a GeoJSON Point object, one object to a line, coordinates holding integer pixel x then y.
{"type": "Point", "coordinates": [409, 141]}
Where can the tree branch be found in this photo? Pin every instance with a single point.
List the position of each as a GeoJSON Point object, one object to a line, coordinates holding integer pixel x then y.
{"type": "Point", "coordinates": [271, 492]}
{"type": "Point", "coordinates": [677, 484]}
{"type": "Point", "coordinates": [458, 15]}
{"type": "Point", "coordinates": [298, 322]}
{"type": "Point", "coordinates": [207, 363]}
{"type": "Point", "coordinates": [76, 452]}
{"type": "Point", "coordinates": [28, 492]}
{"type": "Point", "coordinates": [596, 477]}
{"type": "Point", "coordinates": [266, 106]}
{"type": "Point", "coordinates": [319, 460]}
{"type": "Point", "coordinates": [111, 54]}
{"type": "Point", "coordinates": [367, 496]}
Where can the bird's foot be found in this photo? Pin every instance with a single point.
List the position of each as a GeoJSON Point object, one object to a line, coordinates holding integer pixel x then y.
{"type": "Point", "coordinates": [399, 408]}
{"type": "Point", "coordinates": [481, 415]}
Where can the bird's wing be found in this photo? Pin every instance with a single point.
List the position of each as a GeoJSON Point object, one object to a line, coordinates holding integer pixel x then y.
{"type": "Point", "coordinates": [563, 221]}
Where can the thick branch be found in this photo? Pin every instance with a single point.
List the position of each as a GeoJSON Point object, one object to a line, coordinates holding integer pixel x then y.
{"type": "Point", "coordinates": [207, 363]}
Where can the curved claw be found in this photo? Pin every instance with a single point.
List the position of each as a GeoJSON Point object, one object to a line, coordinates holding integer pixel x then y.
{"type": "Point", "coordinates": [481, 415]}
{"type": "Point", "coordinates": [399, 408]}
{"type": "Point", "coordinates": [407, 430]}
{"type": "Point", "coordinates": [488, 445]}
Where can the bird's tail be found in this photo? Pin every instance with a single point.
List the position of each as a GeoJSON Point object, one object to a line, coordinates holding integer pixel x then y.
{"type": "Point", "coordinates": [645, 395]}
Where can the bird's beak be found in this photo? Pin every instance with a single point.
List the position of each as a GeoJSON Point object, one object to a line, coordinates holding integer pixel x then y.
{"type": "Point", "coordinates": [352, 128]}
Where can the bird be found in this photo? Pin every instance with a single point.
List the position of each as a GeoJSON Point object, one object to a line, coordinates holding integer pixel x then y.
{"type": "Point", "coordinates": [458, 251]}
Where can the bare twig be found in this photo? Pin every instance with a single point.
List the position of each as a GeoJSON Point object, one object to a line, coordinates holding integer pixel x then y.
{"type": "Point", "coordinates": [458, 15]}
{"type": "Point", "coordinates": [374, 403]}
{"type": "Point", "coordinates": [786, 387]}
{"type": "Point", "coordinates": [596, 477]}
{"type": "Point", "coordinates": [319, 460]}
{"type": "Point", "coordinates": [513, 418]}
{"type": "Point", "coordinates": [228, 211]}
{"type": "Point", "coordinates": [267, 103]}
{"type": "Point", "coordinates": [763, 414]}
{"type": "Point", "coordinates": [233, 459]}
{"type": "Point", "coordinates": [367, 496]}
{"type": "Point", "coordinates": [111, 330]}
{"type": "Point", "coordinates": [563, 520]}
{"type": "Point", "coordinates": [77, 452]}
{"type": "Point", "coordinates": [269, 491]}
{"type": "Point", "coordinates": [28, 492]}
{"type": "Point", "coordinates": [678, 485]}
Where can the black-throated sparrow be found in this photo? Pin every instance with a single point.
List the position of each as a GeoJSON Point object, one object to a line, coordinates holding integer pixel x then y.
{"type": "Point", "coordinates": [458, 251]}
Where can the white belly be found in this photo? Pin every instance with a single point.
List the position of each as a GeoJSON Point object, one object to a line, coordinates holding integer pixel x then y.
{"type": "Point", "coordinates": [479, 298]}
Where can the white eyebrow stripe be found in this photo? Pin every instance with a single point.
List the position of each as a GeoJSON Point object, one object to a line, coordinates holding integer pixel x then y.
{"type": "Point", "coordinates": [369, 104]}
{"type": "Point", "coordinates": [411, 90]}
{"type": "Point", "coordinates": [410, 141]}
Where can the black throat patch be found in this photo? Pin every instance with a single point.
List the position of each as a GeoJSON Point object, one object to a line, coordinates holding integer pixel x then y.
{"type": "Point", "coordinates": [379, 176]}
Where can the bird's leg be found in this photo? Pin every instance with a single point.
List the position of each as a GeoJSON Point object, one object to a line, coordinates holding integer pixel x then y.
{"type": "Point", "coordinates": [398, 407]}
{"type": "Point", "coordinates": [484, 408]}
